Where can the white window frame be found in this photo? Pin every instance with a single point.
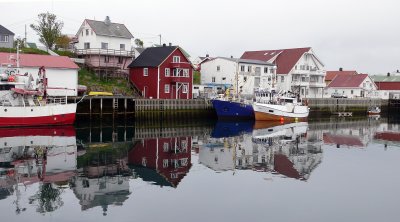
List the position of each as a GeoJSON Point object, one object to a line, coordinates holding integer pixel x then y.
{"type": "Point", "coordinates": [165, 147]}
{"type": "Point", "coordinates": [167, 72]}
{"type": "Point", "coordinates": [185, 72]}
{"type": "Point", "coordinates": [6, 38]}
{"type": "Point", "coordinates": [185, 88]}
{"type": "Point", "coordinates": [282, 79]}
{"type": "Point", "coordinates": [242, 68]}
{"type": "Point", "coordinates": [218, 68]}
{"type": "Point", "coordinates": [213, 79]}
{"type": "Point", "coordinates": [122, 48]}
{"type": "Point", "coordinates": [166, 88]}
{"type": "Point", "coordinates": [145, 71]}
{"type": "Point", "coordinates": [86, 44]}
{"type": "Point", "coordinates": [104, 44]}
{"type": "Point", "coordinates": [176, 59]}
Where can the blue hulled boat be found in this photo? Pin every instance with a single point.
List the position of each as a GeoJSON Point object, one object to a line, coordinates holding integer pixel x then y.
{"type": "Point", "coordinates": [231, 109]}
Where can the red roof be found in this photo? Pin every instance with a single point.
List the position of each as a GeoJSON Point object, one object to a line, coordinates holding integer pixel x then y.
{"type": "Point", "coordinates": [285, 167]}
{"type": "Point", "coordinates": [330, 75]}
{"type": "Point", "coordinates": [388, 85]}
{"type": "Point", "coordinates": [388, 136]}
{"type": "Point", "coordinates": [342, 140]}
{"type": "Point", "coordinates": [348, 81]}
{"type": "Point", "coordinates": [285, 61]}
{"type": "Point", "coordinates": [33, 60]}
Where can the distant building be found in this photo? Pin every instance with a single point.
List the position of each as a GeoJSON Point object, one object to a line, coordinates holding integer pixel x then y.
{"type": "Point", "coordinates": [6, 38]}
{"type": "Point", "coordinates": [200, 60]}
{"type": "Point", "coordinates": [162, 73]}
{"type": "Point", "coordinates": [353, 86]}
{"type": "Point", "coordinates": [219, 73]}
{"type": "Point", "coordinates": [61, 71]}
{"type": "Point", "coordinates": [330, 75]}
{"type": "Point", "coordinates": [388, 86]}
{"type": "Point", "coordinates": [105, 46]}
{"type": "Point", "coordinates": [299, 70]}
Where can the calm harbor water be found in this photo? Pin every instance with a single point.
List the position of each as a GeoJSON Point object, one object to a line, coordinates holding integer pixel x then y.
{"type": "Point", "coordinates": [323, 170]}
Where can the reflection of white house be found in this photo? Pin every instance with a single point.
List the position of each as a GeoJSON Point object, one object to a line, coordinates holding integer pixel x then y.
{"type": "Point", "coordinates": [298, 70]}
{"type": "Point", "coordinates": [61, 71]}
{"type": "Point", "coordinates": [353, 86]}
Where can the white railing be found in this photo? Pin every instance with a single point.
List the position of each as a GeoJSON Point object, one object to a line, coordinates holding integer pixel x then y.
{"type": "Point", "coordinates": [56, 100]}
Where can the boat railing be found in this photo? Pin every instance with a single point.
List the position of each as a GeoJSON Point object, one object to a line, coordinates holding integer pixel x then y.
{"type": "Point", "coordinates": [56, 100]}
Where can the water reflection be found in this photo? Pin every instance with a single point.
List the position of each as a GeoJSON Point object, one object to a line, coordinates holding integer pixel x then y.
{"type": "Point", "coordinates": [270, 147]}
{"type": "Point", "coordinates": [43, 170]}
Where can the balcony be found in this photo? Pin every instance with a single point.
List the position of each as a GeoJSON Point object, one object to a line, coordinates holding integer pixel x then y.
{"type": "Point", "coordinates": [181, 65]}
{"type": "Point", "coordinates": [317, 84]}
{"type": "Point", "coordinates": [250, 73]}
{"type": "Point", "coordinates": [101, 52]}
{"type": "Point", "coordinates": [300, 83]}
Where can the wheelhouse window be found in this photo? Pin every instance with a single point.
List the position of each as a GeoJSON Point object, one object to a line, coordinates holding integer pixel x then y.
{"type": "Point", "coordinates": [146, 72]}
{"type": "Point", "coordinates": [176, 59]}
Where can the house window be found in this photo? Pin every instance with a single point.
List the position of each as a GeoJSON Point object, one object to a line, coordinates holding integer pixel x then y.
{"type": "Point", "coordinates": [167, 72]}
{"type": "Point", "coordinates": [176, 59]}
{"type": "Point", "coordinates": [82, 33]}
{"type": "Point", "coordinates": [165, 163]}
{"type": "Point", "coordinates": [185, 89]}
{"type": "Point", "coordinates": [248, 68]}
{"type": "Point", "coordinates": [166, 88]}
{"type": "Point", "coordinates": [213, 79]}
{"type": "Point", "coordinates": [351, 92]}
{"type": "Point", "coordinates": [87, 31]}
{"type": "Point", "coordinates": [104, 45]}
{"type": "Point", "coordinates": [242, 68]}
{"type": "Point", "coordinates": [3, 38]}
{"type": "Point", "coordinates": [91, 32]}
{"type": "Point", "coordinates": [86, 45]}
{"type": "Point", "coordinates": [223, 78]}
{"type": "Point", "coordinates": [146, 72]}
{"type": "Point", "coordinates": [265, 69]}
{"type": "Point", "coordinates": [364, 84]}
{"type": "Point", "coordinates": [186, 72]}
{"type": "Point", "coordinates": [106, 59]}
{"type": "Point", "coordinates": [282, 79]}
{"type": "Point", "coordinates": [121, 46]}
{"type": "Point", "coordinates": [120, 60]}
{"type": "Point", "coordinates": [218, 68]}
{"type": "Point", "coordinates": [166, 147]}
{"type": "Point", "coordinates": [244, 78]}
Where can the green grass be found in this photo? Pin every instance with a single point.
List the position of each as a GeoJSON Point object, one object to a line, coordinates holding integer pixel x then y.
{"type": "Point", "coordinates": [25, 50]}
{"type": "Point", "coordinates": [196, 77]}
{"type": "Point", "coordinates": [65, 53]}
{"type": "Point", "coordinates": [94, 83]}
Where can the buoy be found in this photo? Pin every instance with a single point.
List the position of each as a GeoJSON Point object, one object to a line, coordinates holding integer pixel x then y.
{"type": "Point", "coordinates": [11, 78]}
{"type": "Point", "coordinates": [281, 119]}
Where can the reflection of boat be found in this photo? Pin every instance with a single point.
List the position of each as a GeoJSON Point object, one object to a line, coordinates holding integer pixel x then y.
{"type": "Point", "coordinates": [232, 109]}
{"type": "Point", "coordinates": [228, 128]}
{"type": "Point", "coordinates": [285, 132]}
{"type": "Point", "coordinates": [374, 111]}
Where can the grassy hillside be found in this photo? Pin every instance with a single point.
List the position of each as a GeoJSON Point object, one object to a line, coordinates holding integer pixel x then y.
{"type": "Point", "coordinates": [94, 83]}
{"type": "Point", "coordinates": [25, 50]}
{"type": "Point", "coordinates": [196, 77]}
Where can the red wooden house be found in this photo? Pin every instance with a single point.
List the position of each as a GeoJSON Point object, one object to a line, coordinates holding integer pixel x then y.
{"type": "Point", "coordinates": [162, 73]}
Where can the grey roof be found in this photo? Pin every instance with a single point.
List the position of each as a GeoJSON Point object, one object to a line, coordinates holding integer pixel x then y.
{"type": "Point", "coordinates": [252, 61]}
{"type": "Point", "coordinates": [385, 78]}
{"type": "Point", "coordinates": [152, 57]}
{"type": "Point", "coordinates": [228, 58]}
{"type": "Point", "coordinates": [3, 30]}
{"type": "Point", "coordinates": [140, 50]}
{"type": "Point", "coordinates": [113, 29]}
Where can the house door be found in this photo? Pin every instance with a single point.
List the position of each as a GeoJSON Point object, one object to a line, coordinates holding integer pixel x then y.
{"type": "Point", "coordinates": [145, 91]}
{"type": "Point", "coordinates": [173, 92]}
{"type": "Point", "coordinates": [362, 93]}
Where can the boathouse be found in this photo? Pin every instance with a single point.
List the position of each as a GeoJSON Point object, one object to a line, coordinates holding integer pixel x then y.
{"type": "Point", "coordinates": [162, 73]}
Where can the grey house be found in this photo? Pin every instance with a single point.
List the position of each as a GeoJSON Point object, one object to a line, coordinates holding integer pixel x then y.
{"type": "Point", "coordinates": [6, 38]}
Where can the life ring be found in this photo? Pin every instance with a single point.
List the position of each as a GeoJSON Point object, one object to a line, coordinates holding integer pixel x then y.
{"type": "Point", "coordinates": [15, 95]}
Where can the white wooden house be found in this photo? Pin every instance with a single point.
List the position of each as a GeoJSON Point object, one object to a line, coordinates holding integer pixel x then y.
{"type": "Point", "coordinates": [353, 86]}
{"type": "Point", "coordinates": [105, 46]}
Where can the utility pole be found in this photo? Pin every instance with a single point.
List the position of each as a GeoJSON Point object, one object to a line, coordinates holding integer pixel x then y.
{"type": "Point", "coordinates": [25, 37]}
{"type": "Point", "coordinates": [160, 39]}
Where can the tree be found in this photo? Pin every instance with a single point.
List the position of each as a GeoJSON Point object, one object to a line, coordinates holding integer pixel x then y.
{"type": "Point", "coordinates": [139, 43]}
{"type": "Point", "coordinates": [63, 42]}
{"type": "Point", "coordinates": [48, 29]}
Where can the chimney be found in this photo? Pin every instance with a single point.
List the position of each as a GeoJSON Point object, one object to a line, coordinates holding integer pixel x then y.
{"type": "Point", "coordinates": [207, 55]}
{"type": "Point", "coordinates": [231, 56]}
{"type": "Point", "coordinates": [388, 74]}
{"type": "Point", "coordinates": [107, 21]}
{"type": "Point", "coordinates": [164, 45]}
{"type": "Point", "coordinates": [398, 71]}
{"type": "Point", "coordinates": [169, 44]}
{"type": "Point", "coordinates": [341, 69]}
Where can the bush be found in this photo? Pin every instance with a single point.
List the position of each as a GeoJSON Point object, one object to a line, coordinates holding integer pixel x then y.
{"type": "Point", "coordinates": [25, 50]}
{"type": "Point", "coordinates": [65, 53]}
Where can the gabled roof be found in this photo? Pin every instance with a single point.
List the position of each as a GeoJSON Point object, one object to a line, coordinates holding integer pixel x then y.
{"type": "Point", "coordinates": [342, 140]}
{"type": "Point", "coordinates": [4, 30]}
{"type": "Point", "coordinates": [385, 78]}
{"type": "Point", "coordinates": [33, 60]}
{"type": "Point", "coordinates": [388, 85]}
{"type": "Point", "coordinates": [140, 50]}
{"type": "Point", "coordinates": [153, 57]}
{"type": "Point", "coordinates": [285, 59]}
{"type": "Point", "coordinates": [330, 75]}
{"type": "Point", "coordinates": [112, 29]}
{"type": "Point", "coordinates": [253, 61]}
{"type": "Point", "coordinates": [347, 81]}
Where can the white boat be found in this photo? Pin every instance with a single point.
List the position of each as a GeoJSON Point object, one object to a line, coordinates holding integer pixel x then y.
{"type": "Point", "coordinates": [374, 111]}
{"type": "Point", "coordinates": [26, 103]}
{"type": "Point", "coordinates": [281, 107]}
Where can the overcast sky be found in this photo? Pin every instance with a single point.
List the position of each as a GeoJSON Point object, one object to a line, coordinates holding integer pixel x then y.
{"type": "Point", "coordinates": [354, 34]}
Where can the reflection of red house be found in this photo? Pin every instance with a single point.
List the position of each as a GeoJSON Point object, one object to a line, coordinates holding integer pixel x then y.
{"type": "Point", "coordinates": [388, 136]}
{"type": "Point", "coordinates": [342, 140]}
{"type": "Point", "coordinates": [163, 161]}
{"type": "Point", "coordinates": [284, 166]}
